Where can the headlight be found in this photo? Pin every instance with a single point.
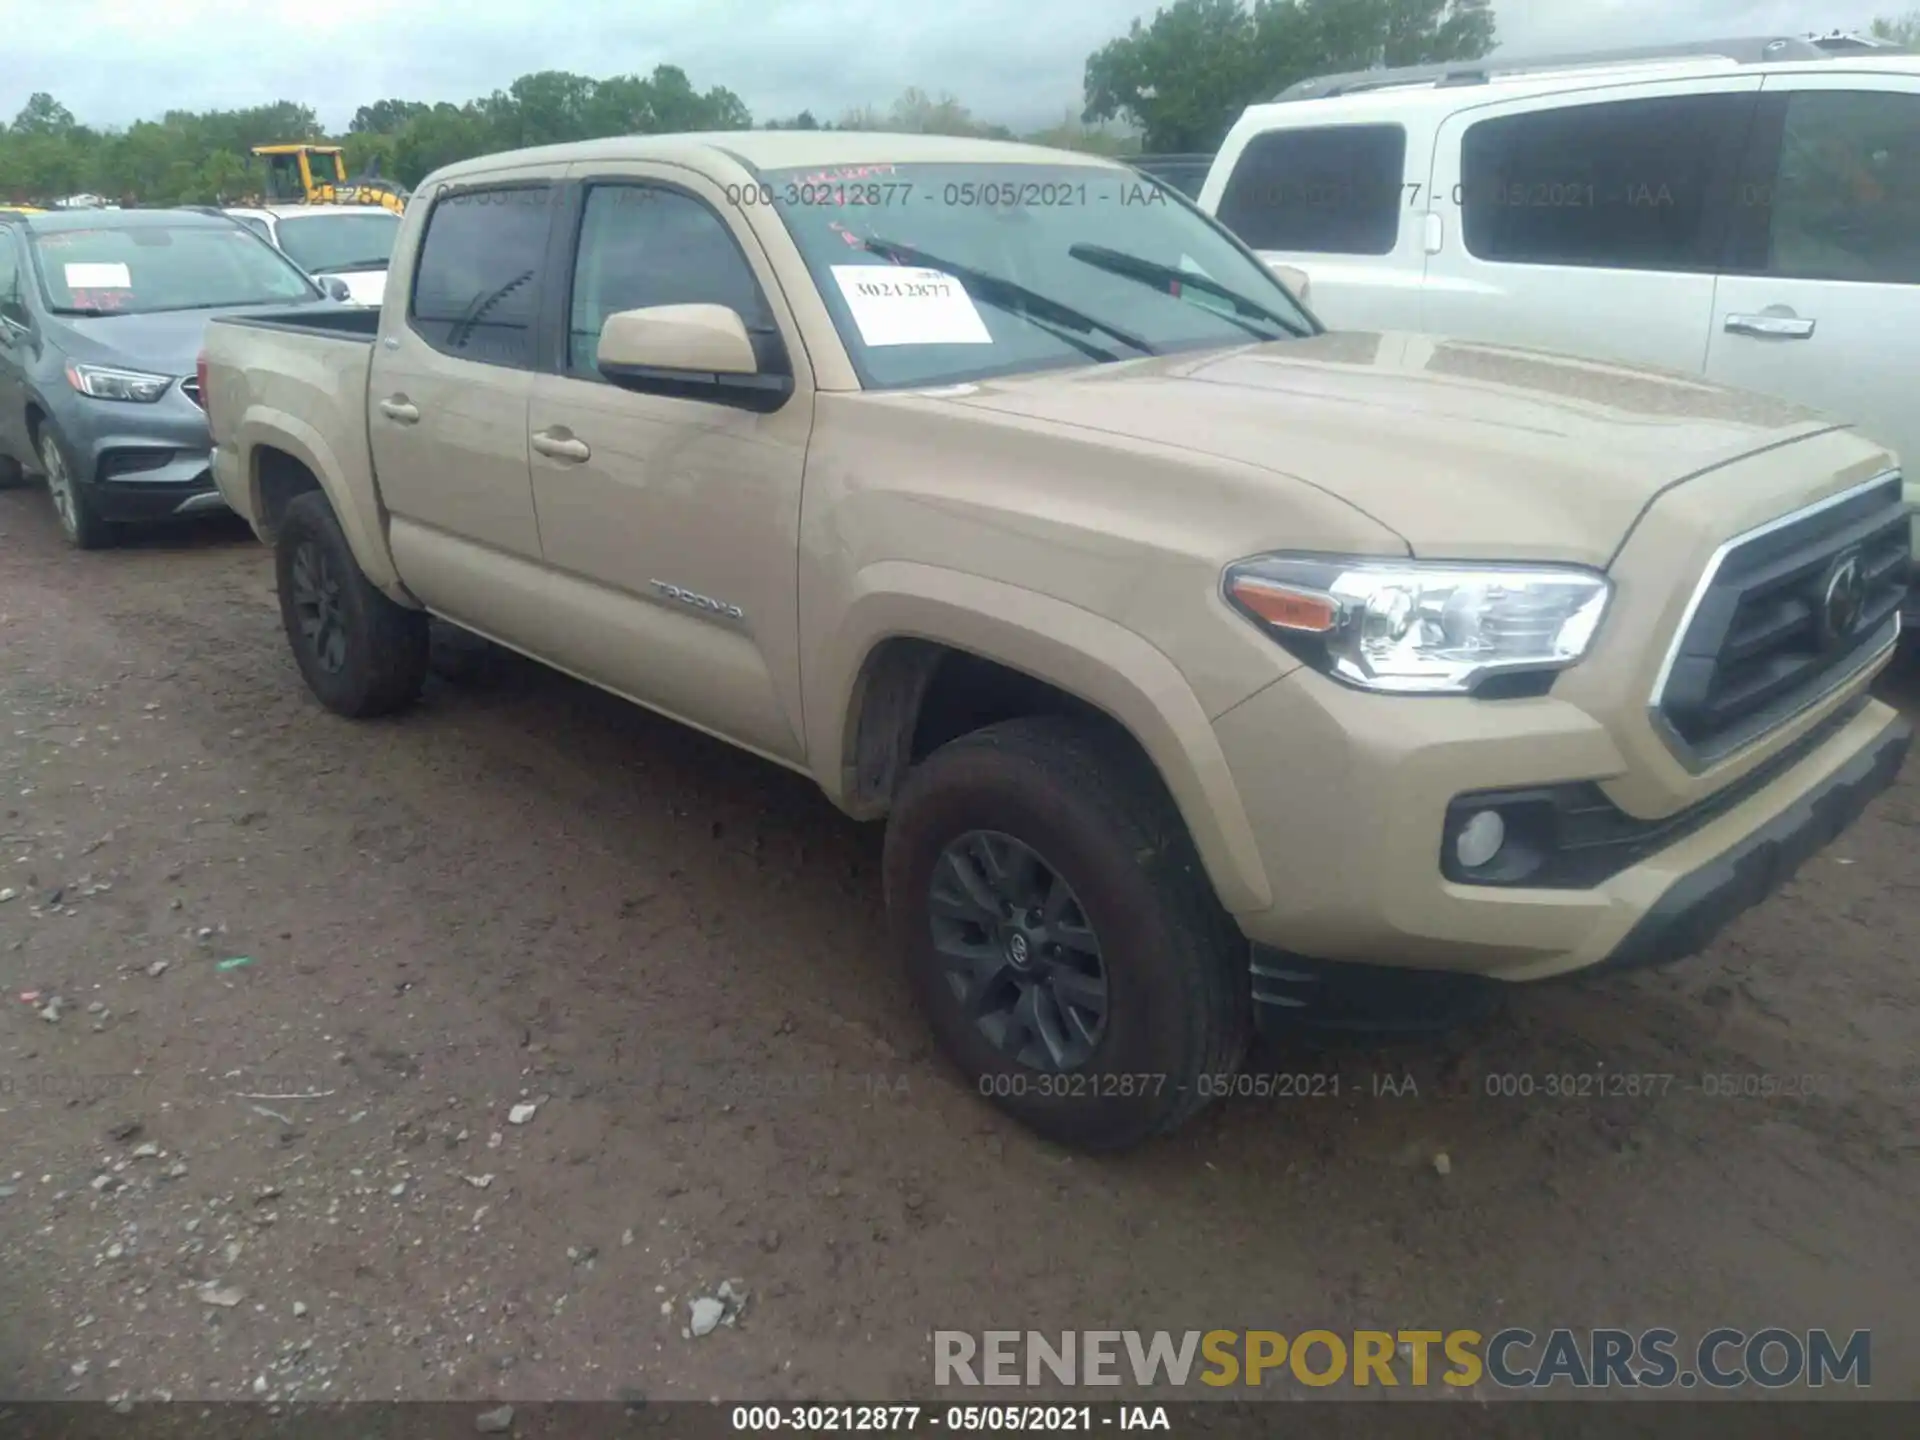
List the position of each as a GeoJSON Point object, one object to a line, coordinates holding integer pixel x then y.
{"type": "Point", "coordinates": [103, 382]}
{"type": "Point", "coordinates": [1419, 628]}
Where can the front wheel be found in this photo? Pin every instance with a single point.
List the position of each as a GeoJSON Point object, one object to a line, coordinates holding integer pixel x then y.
{"type": "Point", "coordinates": [1061, 935]}
{"type": "Point", "coordinates": [80, 523]}
{"type": "Point", "coordinates": [361, 654]}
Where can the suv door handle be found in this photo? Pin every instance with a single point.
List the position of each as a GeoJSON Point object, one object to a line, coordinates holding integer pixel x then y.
{"type": "Point", "coordinates": [560, 445]}
{"type": "Point", "coordinates": [401, 409]}
{"type": "Point", "coordinates": [1770, 327]}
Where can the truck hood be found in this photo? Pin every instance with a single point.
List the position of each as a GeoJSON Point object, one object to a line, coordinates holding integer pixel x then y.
{"type": "Point", "coordinates": [165, 342]}
{"type": "Point", "coordinates": [1467, 451]}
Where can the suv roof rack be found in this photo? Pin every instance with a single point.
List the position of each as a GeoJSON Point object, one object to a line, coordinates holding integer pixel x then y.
{"type": "Point", "coordinates": [1751, 50]}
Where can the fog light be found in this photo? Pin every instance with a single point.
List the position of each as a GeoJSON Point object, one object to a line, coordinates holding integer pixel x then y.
{"type": "Point", "coordinates": [1480, 839]}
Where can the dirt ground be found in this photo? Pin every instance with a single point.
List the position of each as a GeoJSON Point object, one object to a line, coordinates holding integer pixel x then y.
{"type": "Point", "coordinates": [298, 1177]}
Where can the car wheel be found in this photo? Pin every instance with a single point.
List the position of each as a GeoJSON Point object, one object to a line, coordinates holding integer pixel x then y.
{"type": "Point", "coordinates": [79, 521]}
{"type": "Point", "coordinates": [1061, 934]}
{"type": "Point", "coordinates": [361, 654]}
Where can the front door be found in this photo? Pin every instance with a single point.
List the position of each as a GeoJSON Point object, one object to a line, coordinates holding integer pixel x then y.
{"type": "Point", "coordinates": [670, 526]}
{"type": "Point", "coordinates": [1823, 305]}
{"type": "Point", "coordinates": [15, 338]}
{"type": "Point", "coordinates": [447, 406]}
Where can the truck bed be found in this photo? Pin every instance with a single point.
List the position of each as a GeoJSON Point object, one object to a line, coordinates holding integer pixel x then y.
{"type": "Point", "coordinates": [299, 379]}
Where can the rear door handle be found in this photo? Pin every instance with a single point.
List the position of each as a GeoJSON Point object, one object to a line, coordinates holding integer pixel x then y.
{"type": "Point", "coordinates": [561, 446]}
{"type": "Point", "coordinates": [1770, 327]}
{"type": "Point", "coordinates": [401, 409]}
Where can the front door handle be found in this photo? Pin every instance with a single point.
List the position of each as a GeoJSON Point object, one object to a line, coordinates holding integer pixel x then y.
{"type": "Point", "coordinates": [560, 445]}
{"type": "Point", "coordinates": [1770, 327]}
{"type": "Point", "coordinates": [401, 409]}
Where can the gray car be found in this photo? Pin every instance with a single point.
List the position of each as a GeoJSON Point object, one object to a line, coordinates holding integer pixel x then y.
{"type": "Point", "coordinates": [101, 317]}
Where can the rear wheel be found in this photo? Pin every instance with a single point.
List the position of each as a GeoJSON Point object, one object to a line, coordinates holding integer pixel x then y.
{"type": "Point", "coordinates": [1061, 934]}
{"type": "Point", "coordinates": [360, 653]}
{"type": "Point", "coordinates": [79, 521]}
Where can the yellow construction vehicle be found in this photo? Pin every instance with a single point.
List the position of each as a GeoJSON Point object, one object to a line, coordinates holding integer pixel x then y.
{"type": "Point", "coordinates": [317, 175]}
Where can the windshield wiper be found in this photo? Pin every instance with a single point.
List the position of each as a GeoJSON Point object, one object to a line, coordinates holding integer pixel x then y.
{"type": "Point", "coordinates": [1011, 295]}
{"type": "Point", "coordinates": [86, 312]}
{"type": "Point", "coordinates": [346, 265]}
{"type": "Point", "coordinates": [1152, 272]}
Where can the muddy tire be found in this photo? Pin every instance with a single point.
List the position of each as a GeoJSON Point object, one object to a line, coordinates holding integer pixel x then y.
{"type": "Point", "coordinates": [361, 654]}
{"type": "Point", "coordinates": [1061, 935]}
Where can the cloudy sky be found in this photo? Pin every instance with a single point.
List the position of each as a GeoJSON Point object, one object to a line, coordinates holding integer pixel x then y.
{"type": "Point", "coordinates": [1015, 61]}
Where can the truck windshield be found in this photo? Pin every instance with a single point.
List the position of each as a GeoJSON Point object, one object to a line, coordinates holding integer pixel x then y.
{"type": "Point", "coordinates": [941, 274]}
{"type": "Point", "coordinates": [137, 270]}
{"type": "Point", "coordinates": [322, 243]}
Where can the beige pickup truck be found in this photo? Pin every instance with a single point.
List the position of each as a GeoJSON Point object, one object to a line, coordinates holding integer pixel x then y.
{"type": "Point", "coordinates": [1209, 669]}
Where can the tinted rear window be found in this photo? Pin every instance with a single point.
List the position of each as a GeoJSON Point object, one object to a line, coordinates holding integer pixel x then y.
{"type": "Point", "coordinates": [1334, 190]}
{"type": "Point", "coordinates": [1632, 184]}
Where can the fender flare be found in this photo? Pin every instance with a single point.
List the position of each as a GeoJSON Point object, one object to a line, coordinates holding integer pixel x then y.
{"type": "Point", "coordinates": [1094, 659]}
{"type": "Point", "coordinates": [362, 519]}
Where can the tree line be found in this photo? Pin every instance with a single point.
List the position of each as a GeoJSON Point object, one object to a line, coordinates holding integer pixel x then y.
{"type": "Point", "coordinates": [1174, 83]}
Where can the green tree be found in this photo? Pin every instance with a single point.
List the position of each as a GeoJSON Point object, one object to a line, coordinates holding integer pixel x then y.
{"type": "Point", "coordinates": [43, 115]}
{"type": "Point", "coordinates": [1186, 76]}
{"type": "Point", "coordinates": [1905, 30]}
{"type": "Point", "coordinates": [204, 156]}
{"type": "Point", "coordinates": [385, 117]}
{"type": "Point", "coordinates": [1073, 133]}
{"type": "Point", "coordinates": [914, 112]}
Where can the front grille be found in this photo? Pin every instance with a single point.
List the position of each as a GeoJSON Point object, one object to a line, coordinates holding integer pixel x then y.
{"type": "Point", "coordinates": [190, 387]}
{"type": "Point", "coordinates": [1784, 615]}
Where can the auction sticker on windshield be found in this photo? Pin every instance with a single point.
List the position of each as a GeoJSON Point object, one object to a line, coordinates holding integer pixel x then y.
{"type": "Point", "coordinates": [906, 305]}
{"type": "Point", "coordinates": [98, 276]}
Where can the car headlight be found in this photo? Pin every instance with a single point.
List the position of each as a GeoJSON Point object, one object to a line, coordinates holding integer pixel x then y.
{"type": "Point", "coordinates": [1414, 627]}
{"type": "Point", "coordinates": [104, 382]}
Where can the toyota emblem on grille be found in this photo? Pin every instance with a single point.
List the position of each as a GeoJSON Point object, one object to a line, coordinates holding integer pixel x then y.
{"type": "Point", "coordinates": [1843, 599]}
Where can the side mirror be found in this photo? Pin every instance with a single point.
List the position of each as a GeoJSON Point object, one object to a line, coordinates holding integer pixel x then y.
{"type": "Point", "coordinates": [1293, 278]}
{"type": "Point", "coordinates": [336, 288]}
{"type": "Point", "coordinates": [697, 352]}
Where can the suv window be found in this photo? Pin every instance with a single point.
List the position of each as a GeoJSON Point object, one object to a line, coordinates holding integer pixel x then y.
{"type": "Point", "coordinates": [475, 287]}
{"type": "Point", "coordinates": [646, 245]}
{"type": "Point", "coordinates": [1629, 185]}
{"type": "Point", "coordinates": [1334, 190]}
{"type": "Point", "coordinates": [1846, 197]}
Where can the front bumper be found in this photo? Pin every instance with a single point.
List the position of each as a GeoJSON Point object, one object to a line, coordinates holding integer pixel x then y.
{"type": "Point", "coordinates": [1702, 903]}
{"type": "Point", "coordinates": [149, 501]}
{"type": "Point", "coordinates": [1352, 842]}
{"type": "Point", "coordinates": [141, 463]}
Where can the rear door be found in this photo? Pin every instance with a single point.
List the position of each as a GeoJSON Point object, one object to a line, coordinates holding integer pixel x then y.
{"type": "Point", "coordinates": [1590, 222]}
{"type": "Point", "coordinates": [1334, 201]}
{"type": "Point", "coordinates": [1822, 302]}
{"type": "Point", "coordinates": [447, 404]}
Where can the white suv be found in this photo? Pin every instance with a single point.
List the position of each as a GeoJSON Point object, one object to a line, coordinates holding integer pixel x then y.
{"type": "Point", "coordinates": [352, 242]}
{"type": "Point", "coordinates": [1746, 210]}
